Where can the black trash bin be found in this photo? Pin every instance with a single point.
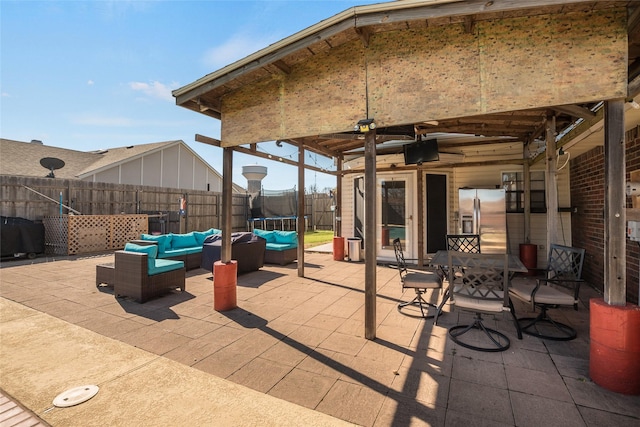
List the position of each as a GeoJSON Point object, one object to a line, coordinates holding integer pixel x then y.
{"type": "Point", "coordinates": [20, 236]}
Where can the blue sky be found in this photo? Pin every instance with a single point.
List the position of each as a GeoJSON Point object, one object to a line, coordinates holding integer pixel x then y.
{"type": "Point", "coordinates": [88, 75]}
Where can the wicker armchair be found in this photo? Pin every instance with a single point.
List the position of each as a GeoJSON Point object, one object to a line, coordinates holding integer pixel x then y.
{"type": "Point", "coordinates": [132, 277]}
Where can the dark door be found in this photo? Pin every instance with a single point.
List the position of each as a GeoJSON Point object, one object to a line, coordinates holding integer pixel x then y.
{"type": "Point", "coordinates": [358, 208]}
{"type": "Point", "coordinates": [436, 200]}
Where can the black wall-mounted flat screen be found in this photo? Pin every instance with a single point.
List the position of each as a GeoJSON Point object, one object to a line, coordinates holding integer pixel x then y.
{"type": "Point", "coordinates": [421, 152]}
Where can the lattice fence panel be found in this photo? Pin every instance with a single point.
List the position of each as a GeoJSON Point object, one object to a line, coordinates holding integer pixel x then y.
{"type": "Point", "coordinates": [55, 234]}
{"type": "Point", "coordinates": [78, 234]}
{"type": "Point", "coordinates": [88, 233]}
{"type": "Point", "coordinates": [125, 228]}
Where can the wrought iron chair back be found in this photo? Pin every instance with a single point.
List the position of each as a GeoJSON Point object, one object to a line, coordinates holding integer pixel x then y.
{"type": "Point", "coordinates": [401, 262]}
{"type": "Point", "coordinates": [482, 276]}
{"type": "Point", "coordinates": [480, 285]}
{"type": "Point", "coordinates": [564, 267]}
{"type": "Point", "coordinates": [419, 281]}
{"type": "Point", "coordinates": [463, 243]}
{"type": "Point", "coordinates": [560, 287]}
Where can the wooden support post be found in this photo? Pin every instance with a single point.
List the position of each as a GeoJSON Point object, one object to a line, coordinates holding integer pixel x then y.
{"type": "Point", "coordinates": [614, 204]}
{"type": "Point", "coordinates": [227, 200]}
{"type": "Point", "coordinates": [551, 182]}
{"type": "Point", "coordinates": [338, 200]}
{"type": "Point", "coordinates": [421, 216]}
{"type": "Point", "coordinates": [300, 222]}
{"type": "Point", "coordinates": [370, 224]}
{"type": "Point", "coordinates": [526, 176]}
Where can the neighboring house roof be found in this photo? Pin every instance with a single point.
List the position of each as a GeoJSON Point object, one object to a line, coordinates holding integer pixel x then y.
{"type": "Point", "coordinates": [23, 158]}
{"type": "Point", "coordinates": [113, 156]}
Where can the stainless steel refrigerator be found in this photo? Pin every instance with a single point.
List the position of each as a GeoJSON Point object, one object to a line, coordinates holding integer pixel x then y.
{"type": "Point", "coordinates": [483, 212]}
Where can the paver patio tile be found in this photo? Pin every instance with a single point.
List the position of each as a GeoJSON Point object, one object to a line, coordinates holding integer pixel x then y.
{"type": "Point", "coordinates": [529, 359]}
{"type": "Point", "coordinates": [352, 402]}
{"type": "Point", "coordinates": [343, 343]}
{"type": "Point", "coordinates": [303, 388]}
{"type": "Point", "coordinates": [260, 374]}
{"type": "Point", "coordinates": [588, 394]}
{"type": "Point", "coordinates": [482, 401]}
{"type": "Point", "coordinates": [479, 372]}
{"type": "Point", "coordinates": [457, 419]}
{"type": "Point", "coordinates": [574, 367]}
{"type": "Point", "coordinates": [287, 352]}
{"type": "Point", "coordinates": [327, 363]}
{"type": "Point", "coordinates": [599, 418]}
{"type": "Point", "coordinates": [398, 410]}
{"type": "Point", "coordinates": [428, 388]}
{"type": "Point", "coordinates": [535, 411]}
{"type": "Point", "coordinates": [543, 384]}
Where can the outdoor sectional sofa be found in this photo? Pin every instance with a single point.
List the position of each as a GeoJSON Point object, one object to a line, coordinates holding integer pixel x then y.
{"type": "Point", "coordinates": [140, 275]}
{"type": "Point", "coordinates": [247, 249]}
{"type": "Point", "coordinates": [185, 247]}
{"type": "Point", "coordinates": [282, 246]}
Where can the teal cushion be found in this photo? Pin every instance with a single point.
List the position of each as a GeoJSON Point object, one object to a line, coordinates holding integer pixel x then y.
{"type": "Point", "coordinates": [180, 241]}
{"type": "Point", "coordinates": [174, 253]}
{"type": "Point", "coordinates": [164, 265]}
{"type": "Point", "coordinates": [267, 235]}
{"type": "Point", "coordinates": [150, 250]}
{"type": "Point", "coordinates": [287, 237]}
{"type": "Point", "coordinates": [280, 246]}
{"type": "Point", "coordinates": [164, 241]}
{"type": "Point", "coordinates": [194, 250]}
{"type": "Point", "coordinates": [201, 235]}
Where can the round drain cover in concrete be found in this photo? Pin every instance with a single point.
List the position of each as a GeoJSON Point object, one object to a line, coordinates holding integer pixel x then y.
{"type": "Point", "coordinates": [75, 396]}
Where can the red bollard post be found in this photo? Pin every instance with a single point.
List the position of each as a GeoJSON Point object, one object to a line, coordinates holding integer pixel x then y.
{"type": "Point", "coordinates": [338, 248]}
{"type": "Point", "coordinates": [225, 281]}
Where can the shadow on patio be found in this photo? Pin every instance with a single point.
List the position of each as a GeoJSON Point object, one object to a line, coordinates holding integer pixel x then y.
{"type": "Point", "coordinates": [302, 340]}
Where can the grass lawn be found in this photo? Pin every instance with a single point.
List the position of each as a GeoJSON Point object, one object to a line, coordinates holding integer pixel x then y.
{"type": "Point", "coordinates": [319, 237]}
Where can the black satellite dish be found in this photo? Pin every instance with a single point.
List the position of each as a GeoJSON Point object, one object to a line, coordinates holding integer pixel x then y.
{"type": "Point", "coordinates": [51, 163]}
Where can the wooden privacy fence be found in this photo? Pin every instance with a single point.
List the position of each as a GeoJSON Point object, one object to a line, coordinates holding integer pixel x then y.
{"type": "Point", "coordinates": [79, 234]}
{"type": "Point", "coordinates": [97, 198]}
{"type": "Point", "coordinates": [203, 208]}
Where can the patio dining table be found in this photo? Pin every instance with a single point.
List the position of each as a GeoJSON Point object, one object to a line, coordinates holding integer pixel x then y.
{"type": "Point", "coordinates": [441, 260]}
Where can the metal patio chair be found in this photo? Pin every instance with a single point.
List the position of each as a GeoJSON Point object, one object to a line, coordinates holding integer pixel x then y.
{"type": "Point", "coordinates": [419, 281]}
{"type": "Point", "coordinates": [469, 243]}
{"type": "Point", "coordinates": [560, 287]}
{"type": "Point", "coordinates": [480, 286]}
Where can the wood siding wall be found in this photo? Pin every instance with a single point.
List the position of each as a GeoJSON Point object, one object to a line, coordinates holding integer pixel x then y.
{"type": "Point", "coordinates": [482, 177]}
{"type": "Point", "coordinates": [173, 167]}
{"type": "Point", "coordinates": [587, 188]}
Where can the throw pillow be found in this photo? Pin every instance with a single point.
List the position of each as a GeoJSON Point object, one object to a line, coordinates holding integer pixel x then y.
{"type": "Point", "coordinates": [164, 241]}
{"type": "Point", "coordinates": [181, 241]}
{"type": "Point", "coordinates": [150, 250]}
{"type": "Point", "coordinates": [287, 237]}
{"type": "Point", "coordinates": [267, 235]}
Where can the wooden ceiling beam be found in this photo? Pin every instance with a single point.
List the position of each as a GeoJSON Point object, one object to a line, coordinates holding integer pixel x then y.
{"type": "Point", "coordinates": [253, 152]}
{"type": "Point", "coordinates": [364, 33]}
{"type": "Point", "coordinates": [282, 66]}
{"type": "Point", "coordinates": [309, 144]}
{"type": "Point", "coordinates": [208, 140]}
{"type": "Point", "coordinates": [574, 111]}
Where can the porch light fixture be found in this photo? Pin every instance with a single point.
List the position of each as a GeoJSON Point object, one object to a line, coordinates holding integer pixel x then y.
{"type": "Point", "coordinates": [364, 125]}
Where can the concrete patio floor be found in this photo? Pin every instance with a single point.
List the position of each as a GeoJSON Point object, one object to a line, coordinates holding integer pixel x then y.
{"type": "Point", "coordinates": [292, 353]}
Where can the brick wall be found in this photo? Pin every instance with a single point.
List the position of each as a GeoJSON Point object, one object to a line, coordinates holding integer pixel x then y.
{"type": "Point", "coordinates": [587, 225]}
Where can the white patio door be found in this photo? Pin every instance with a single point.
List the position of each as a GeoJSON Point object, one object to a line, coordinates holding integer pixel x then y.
{"type": "Point", "coordinates": [394, 215]}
